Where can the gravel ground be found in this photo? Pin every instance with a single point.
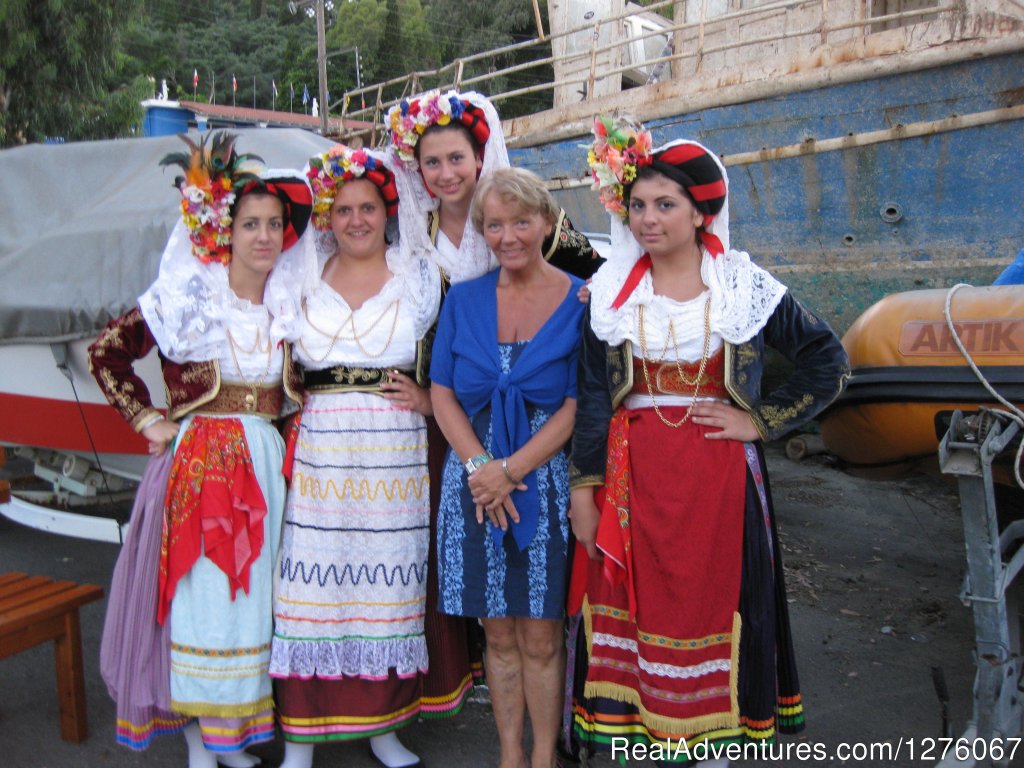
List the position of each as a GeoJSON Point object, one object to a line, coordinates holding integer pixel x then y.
{"type": "Point", "coordinates": [874, 571]}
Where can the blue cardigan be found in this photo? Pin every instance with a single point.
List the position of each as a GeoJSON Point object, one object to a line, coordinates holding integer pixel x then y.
{"type": "Point", "coordinates": [465, 359]}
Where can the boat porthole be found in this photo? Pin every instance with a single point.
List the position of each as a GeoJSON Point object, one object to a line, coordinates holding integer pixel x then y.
{"type": "Point", "coordinates": [848, 239]}
{"type": "Point", "coordinates": [891, 213]}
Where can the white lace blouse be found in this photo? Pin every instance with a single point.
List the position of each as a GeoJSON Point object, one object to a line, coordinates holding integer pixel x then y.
{"type": "Point", "coordinates": [383, 332]}
{"type": "Point", "coordinates": [467, 263]}
{"type": "Point", "coordinates": [743, 297]}
{"type": "Point", "coordinates": [249, 355]}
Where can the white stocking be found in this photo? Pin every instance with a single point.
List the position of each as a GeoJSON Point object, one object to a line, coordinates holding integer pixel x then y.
{"type": "Point", "coordinates": [297, 755]}
{"type": "Point", "coordinates": [198, 755]}
{"type": "Point", "coordinates": [237, 759]}
{"type": "Point", "coordinates": [390, 751]}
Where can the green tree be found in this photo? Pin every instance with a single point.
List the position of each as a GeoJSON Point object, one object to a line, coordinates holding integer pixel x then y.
{"type": "Point", "coordinates": [250, 41]}
{"type": "Point", "coordinates": [368, 25]}
{"type": "Point", "coordinates": [58, 68]}
{"type": "Point", "coordinates": [465, 27]}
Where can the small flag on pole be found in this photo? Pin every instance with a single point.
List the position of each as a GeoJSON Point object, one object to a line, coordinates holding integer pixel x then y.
{"type": "Point", "coordinates": [273, 88]}
{"type": "Point", "coordinates": [195, 79]}
{"type": "Point", "coordinates": [234, 84]}
{"type": "Point", "coordinates": [305, 95]}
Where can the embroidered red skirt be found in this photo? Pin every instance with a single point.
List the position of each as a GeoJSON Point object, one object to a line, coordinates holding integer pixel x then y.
{"type": "Point", "coordinates": [666, 637]}
{"type": "Point", "coordinates": [685, 632]}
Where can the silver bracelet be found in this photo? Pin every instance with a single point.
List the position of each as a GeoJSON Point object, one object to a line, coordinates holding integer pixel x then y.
{"type": "Point", "coordinates": [473, 464]}
{"type": "Point", "coordinates": [504, 468]}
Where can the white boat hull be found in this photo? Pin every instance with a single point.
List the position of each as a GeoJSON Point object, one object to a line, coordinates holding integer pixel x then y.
{"type": "Point", "coordinates": [54, 415]}
{"type": "Point", "coordinates": [42, 407]}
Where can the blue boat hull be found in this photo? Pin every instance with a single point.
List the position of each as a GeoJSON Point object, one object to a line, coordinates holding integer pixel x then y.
{"type": "Point", "coordinates": [856, 209]}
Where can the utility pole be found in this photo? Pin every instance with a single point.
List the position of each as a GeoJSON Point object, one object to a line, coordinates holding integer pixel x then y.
{"type": "Point", "coordinates": [321, 50]}
{"type": "Point", "coordinates": [321, 60]}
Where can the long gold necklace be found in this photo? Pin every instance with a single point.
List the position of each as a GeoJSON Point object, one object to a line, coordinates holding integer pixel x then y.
{"type": "Point", "coordinates": [696, 382]}
{"type": "Point", "coordinates": [357, 337]}
{"type": "Point", "coordinates": [251, 398]}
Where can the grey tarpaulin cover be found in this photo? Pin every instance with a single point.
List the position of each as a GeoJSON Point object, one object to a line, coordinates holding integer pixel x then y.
{"type": "Point", "coordinates": [82, 226]}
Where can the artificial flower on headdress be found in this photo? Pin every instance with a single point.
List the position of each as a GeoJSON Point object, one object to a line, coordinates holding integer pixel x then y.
{"type": "Point", "coordinates": [619, 149]}
{"type": "Point", "coordinates": [411, 117]}
{"type": "Point", "coordinates": [214, 174]}
{"type": "Point", "coordinates": [328, 171]}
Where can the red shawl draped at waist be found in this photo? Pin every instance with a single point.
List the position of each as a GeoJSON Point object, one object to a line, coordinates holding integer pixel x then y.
{"type": "Point", "coordinates": [214, 506]}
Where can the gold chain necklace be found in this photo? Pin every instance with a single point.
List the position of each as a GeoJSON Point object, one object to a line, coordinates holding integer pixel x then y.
{"type": "Point", "coordinates": [256, 345]}
{"type": "Point", "coordinates": [356, 336]}
{"type": "Point", "coordinates": [695, 383]}
{"type": "Point", "coordinates": [251, 398]}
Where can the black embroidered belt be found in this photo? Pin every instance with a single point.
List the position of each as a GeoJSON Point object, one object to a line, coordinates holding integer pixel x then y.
{"type": "Point", "coordinates": [344, 378]}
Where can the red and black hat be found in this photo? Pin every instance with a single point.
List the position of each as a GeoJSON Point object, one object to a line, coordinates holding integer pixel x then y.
{"type": "Point", "coordinates": [295, 195]}
{"type": "Point", "coordinates": [411, 118]}
{"type": "Point", "coordinates": [341, 164]}
{"type": "Point", "coordinates": [475, 120]}
{"type": "Point", "coordinates": [384, 179]}
{"type": "Point", "coordinates": [694, 168]}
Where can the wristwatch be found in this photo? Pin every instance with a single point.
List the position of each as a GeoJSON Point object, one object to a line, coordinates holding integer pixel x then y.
{"type": "Point", "coordinates": [473, 464]}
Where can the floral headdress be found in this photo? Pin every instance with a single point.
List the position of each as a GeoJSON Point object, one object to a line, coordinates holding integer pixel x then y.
{"type": "Point", "coordinates": [214, 175]}
{"type": "Point", "coordinates": [619, 149]}
{"type": "Point", "coordinates": [411, 117]}
{"type": "Point", "coordinates": [330, 170]}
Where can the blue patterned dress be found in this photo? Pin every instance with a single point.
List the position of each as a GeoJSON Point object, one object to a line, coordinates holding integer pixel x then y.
{"type": "Point", "coordinates": [530, 583]}
{"type": "Point", "coordinates": [508, 392]}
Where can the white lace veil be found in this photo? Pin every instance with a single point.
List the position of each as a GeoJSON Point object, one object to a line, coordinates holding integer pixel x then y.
{"type": "Point", "coordinates": [743, 294]}
{"type": "Point", "coordinates": [186, 305]}
{"type": "Point", "coordinates": [474, 258]}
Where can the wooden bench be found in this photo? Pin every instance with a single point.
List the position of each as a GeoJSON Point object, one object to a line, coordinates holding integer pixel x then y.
{"type": "Point", "coordinates": [35, 609]}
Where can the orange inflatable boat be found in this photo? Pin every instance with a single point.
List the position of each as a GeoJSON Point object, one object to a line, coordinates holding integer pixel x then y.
{"type": "Point", "coordinates": [907, 369]}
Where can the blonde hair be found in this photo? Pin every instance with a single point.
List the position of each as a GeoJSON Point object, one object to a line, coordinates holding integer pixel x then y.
{"type": "Point", "coordinates": [513, 185]}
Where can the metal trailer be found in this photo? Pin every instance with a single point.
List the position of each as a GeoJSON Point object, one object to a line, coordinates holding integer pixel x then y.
{"type": "Point", "coordinates": [994, 559]}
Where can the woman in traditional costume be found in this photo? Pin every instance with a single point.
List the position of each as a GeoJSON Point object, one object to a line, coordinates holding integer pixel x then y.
{"type": "Point", "coordinates": [186, 643]}
{"type": "Point", "coordinates": [349, 647]}
{"type": "Point", "coordinates": [683, 603]}
{"type": "Point", "coordinates": [444, 144]}
{"type": "Point", "coordinates": [503, 385]}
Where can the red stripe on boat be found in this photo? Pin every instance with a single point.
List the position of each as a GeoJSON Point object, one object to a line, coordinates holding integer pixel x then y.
{"type": "Point", "coordinates": [58, 424]}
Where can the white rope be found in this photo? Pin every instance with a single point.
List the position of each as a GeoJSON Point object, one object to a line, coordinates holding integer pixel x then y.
{"type": "Point", "coordinates": [1014, 412]}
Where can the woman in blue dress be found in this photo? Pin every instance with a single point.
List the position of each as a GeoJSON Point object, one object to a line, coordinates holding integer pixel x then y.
{"type": "Point", "coordinates": [504, 394]}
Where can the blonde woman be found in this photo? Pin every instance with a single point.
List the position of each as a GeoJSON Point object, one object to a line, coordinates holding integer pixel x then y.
{"type": "Point", "coordinates": [504, 394]}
